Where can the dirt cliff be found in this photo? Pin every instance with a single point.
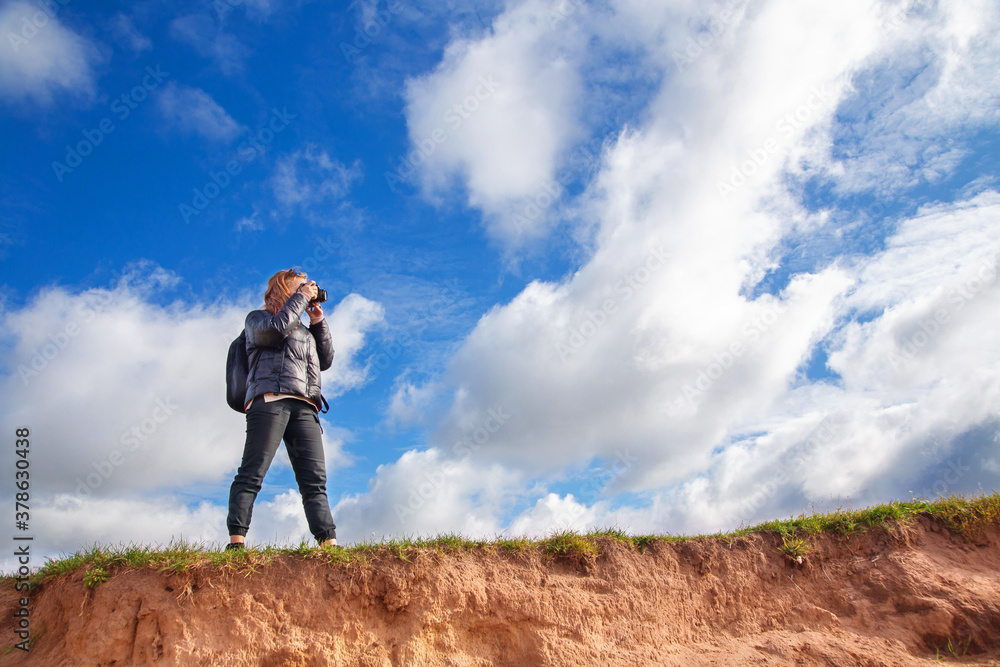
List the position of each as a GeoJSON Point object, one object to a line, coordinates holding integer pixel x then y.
{"type": "Point", "coordinates": [897, 596]}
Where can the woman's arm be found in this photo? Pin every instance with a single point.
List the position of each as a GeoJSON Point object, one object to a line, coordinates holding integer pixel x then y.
{"type": "Point", "coordinates": [270, 331]}
{"type": "Point", "coordinates": [324, 343]}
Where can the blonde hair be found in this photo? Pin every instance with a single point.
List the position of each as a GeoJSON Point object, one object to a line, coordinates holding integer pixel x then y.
{"type": "Point", "coordinates": [277, 289]}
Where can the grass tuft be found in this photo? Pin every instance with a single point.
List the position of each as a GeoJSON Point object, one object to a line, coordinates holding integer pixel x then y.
{"type": "Point", "coordinates": [95, 576]}
{"type": "Point", "coordinates": [615, 533]}
{"type": "Point", "coordinates": [567, 543]}
{"type": "Point", "coordinates": [794, 548]}
{"type": "Point", "coordinates": [514, 545]}
{"type": "Point", "coordinates": [643, 542]}
{"type": "Point", "coordinates": [953, 648]}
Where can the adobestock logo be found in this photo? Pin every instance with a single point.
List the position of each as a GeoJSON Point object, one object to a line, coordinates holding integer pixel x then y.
{"type": "Point", "coordinates": [627, 287]}
{"type": "Point", "coordinates": [432, 483]}
{"type": "Point", "coordinates": [752, 331]}
{"type": "Point", "coordinates": [455, 116]}
{"type": "Point", "coordinates": [132, 439]}
{"type": "Point", "coordinates": [363, 38]}
{"type": "Point", "coordinates": [694, 47]}
{"type": "Point", "coordinates": [819, 98]}
{"type": "Point", "coordinates": [581, 162]}
{"type": "Point", "coordinates": [796, 461]}
{"type": "Point", "coordinates": [60, 340]}
{"type": "Point", "coordinates": [122, 107]}
{"type": "Point", "coordinates": [562, 12]}
{"type": "Point", "coordinates": [32, 24]}
{"type": "Point", "coordinates": [248, 151]}
{"type": "Point", "coordinates": [418, 320]}
{"type": "Point", "coordinates": [928, 328]}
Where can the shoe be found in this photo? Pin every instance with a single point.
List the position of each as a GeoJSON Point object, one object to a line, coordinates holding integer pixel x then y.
{"type": "Point", "coordinates": [234, 546]}
{"type": "Point", "coordinates": [333, 542]}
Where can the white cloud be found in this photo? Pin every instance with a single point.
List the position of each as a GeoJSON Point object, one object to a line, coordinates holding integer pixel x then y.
{"type": "Point", "coordinates": [73, 523]}
{"type": "Point", "coordinates": [497, 112]}
{"type": "Point", "coordinates": [656, 351]}
{"type": "Point", "coordinates": [554, 513]}
{"type": "Point", "coordinates": [41, 58]}
{"type": "Point", "coordinates": [209, 41]}
{"type": "Point", "coordinates": [933, 80]}
{"type": "Point", "coordinates": [350, 321]}
{"type": "Point", "coordinates": [192, 110]}
{"type": "Point", "coordinates": [250, 222]}
{"type": "Point", "coordinates": [125, 400]}
{"type": "Point", "coordinates": [309, 176]}
{"type": "Point", "coordinates": [427, 494]}
{"type": "Point", "coordinates": [941, 245]}
{"type": "Point", "coordinates": [410, 402]}
{"type": "Point", "coordinates": [258, 10]}
{"type": "Point", "coordinates": [936, 288]}
{"type": "Point", "coordinates": [128, 35]}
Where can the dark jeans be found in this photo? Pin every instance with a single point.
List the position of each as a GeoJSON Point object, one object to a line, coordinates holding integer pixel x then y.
{"type": "Point", "coordinates": [297, 423]}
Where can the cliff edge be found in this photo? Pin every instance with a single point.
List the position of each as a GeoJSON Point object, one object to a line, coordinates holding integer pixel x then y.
{"type": "Point", "coordinates": [906, 594]}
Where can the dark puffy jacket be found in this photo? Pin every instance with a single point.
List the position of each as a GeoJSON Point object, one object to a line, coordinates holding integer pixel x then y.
{"type": "Point", "coordinates": [285, 357]}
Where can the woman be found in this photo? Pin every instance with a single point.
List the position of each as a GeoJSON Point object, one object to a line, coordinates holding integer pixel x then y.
{"type": "Point", "coordinates": [283, 399]}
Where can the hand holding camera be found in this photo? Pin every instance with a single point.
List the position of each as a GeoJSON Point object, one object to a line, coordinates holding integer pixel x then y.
{"type": "Point", "coordinates": [316, 296]}
{"type": "Point", "coordinates": [309, 289]}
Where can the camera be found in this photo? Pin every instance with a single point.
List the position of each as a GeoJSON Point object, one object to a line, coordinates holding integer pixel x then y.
{"type": "Point", "coordinates": [320, 296]}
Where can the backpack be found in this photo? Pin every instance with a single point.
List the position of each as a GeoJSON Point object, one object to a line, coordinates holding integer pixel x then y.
{"type": "Point", "coordinates": [237, 370]}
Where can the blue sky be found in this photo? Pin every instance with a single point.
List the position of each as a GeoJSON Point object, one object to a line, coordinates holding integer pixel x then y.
{"type": "Point", "coordinates": [671, 267]}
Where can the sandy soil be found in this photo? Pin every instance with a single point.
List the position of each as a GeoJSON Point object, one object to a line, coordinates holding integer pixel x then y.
{"type": "Point", "coordinates": [881, 598]}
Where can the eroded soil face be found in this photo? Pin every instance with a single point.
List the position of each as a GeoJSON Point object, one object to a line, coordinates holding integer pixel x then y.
{"type": "Point", "coordinates": [875, 599]}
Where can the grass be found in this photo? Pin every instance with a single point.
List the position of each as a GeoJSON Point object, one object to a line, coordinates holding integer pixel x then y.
{"type": "Point", "coordinates": [795, 548]}
{"type": "Point", "coordinates": [568, 543]}
{"type": "Point", "coordinates": [960, 514]}
{"type": "Point", "coordinates": [953, 648]}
